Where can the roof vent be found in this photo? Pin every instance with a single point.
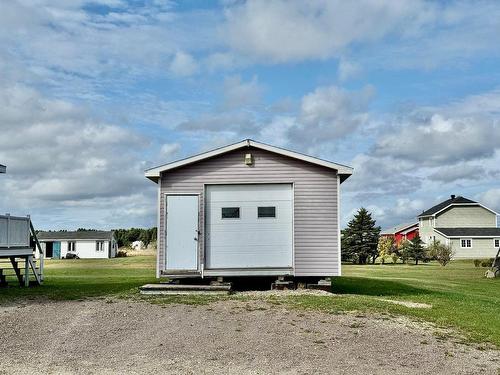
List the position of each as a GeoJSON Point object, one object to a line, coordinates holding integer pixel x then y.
{"type": "Point", "coordinates": [453, 196]}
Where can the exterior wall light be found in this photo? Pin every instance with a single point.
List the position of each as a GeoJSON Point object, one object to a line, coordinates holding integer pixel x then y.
{"type": "Point", "coordinates": [248, 159]}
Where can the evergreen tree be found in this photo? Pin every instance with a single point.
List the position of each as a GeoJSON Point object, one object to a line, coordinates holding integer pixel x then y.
{"type": "Point", "coordinates": [416, 249]}
{"type": "Point", "coordinates": [360, 238]}
{"type": "Point", "coordinates": [404, 250]}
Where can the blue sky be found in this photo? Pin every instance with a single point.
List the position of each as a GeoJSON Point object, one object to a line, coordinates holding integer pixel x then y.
{"type": "Point", "coordinates": [94, 92]}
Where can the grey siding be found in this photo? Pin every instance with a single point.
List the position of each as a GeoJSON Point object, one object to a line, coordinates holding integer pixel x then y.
{"type": "Point", "coordinates": [466, 217]}
{"type": "Point", "coordinates": [316, 249]}
{"type": "Point", "coordinates": [481, 248]}
{"type": "Point", "coordinates": [425, 229]}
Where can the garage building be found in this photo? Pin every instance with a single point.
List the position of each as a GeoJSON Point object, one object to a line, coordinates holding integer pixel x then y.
{"type": "Point", "coordinates": [249, 209]}
{"type": "Point", "coordinates": [84, 243]}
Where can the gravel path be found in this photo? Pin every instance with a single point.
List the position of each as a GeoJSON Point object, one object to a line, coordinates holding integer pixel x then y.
{"type": "Point", "coordinates": [226, 337]}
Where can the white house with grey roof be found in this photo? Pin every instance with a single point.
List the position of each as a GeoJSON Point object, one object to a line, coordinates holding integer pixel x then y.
{"type": "Point", "coordinates": [249, 209]}
{"type": "Point", "coordinates": [468, 226]}
{"type": "Point", "coordinates": [86, 244]}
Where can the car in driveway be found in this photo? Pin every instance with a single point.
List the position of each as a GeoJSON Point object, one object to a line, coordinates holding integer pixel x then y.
{"type": "Point", "coordinates": [71, 255]}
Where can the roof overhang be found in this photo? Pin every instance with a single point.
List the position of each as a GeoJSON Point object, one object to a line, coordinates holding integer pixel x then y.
{"type": "Point", "coordinates": [460, 204]}
{"type": "Point", "coordinates": [409, 230]}
{"type": "Point", "coordinates": [399, 229]}
{"type": "Point", "coordinates": [467, 235]}
{"type": "Point", "coordinates": [154, 173]}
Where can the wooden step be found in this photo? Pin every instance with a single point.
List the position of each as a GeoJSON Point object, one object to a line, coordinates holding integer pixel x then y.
{"type": "Point", "coordinates": [184, 289]}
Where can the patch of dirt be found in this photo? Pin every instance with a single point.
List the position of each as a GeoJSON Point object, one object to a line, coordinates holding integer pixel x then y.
{"type": "Point", "coordinates": [231, 336]}
{"type": "Point", "coordinates": [412, 305]}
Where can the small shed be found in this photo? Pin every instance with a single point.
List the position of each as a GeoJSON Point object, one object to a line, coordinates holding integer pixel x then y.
{"type": "Point", "coordinates": [86, 244]}
{"type": "Point", "coordinates": [249, 209]}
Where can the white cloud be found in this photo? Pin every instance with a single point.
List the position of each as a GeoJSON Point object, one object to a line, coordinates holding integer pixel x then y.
{"type": "Point", "coordinates": [168, 151]}
{"type": "Point", "coordinates": [183, 65]}
{"type": "Point", "coordinates": [449, 174]}
{"type": "Point", "coordinates": [348, 69]}
{"type": "Point", "coordinates": [490, 198]}
{"type": "Point", "coordinates": [441, 140]}
{"type": "Point", "coordinates": [222, 61]}
{"type": "Point", "coordinates": [238, 94]}
{"type": "Point", "coordinates": [487, 103]}
{"type": "Point", "coordinates": [235, 122]}
{"type": "Point", "coordinates": [329, 114]}
{"type": "Point", "coordinates": [379, 34]}
{"type": "Point", "coordinates": [78, 52]}
{"type": "Point", "coordinates": [451, 34]}
{"type": "Point", "coordinates": [276, 132]}
{"type": "Point", "coordinates": [376, 177]}
{"type": "Point", "coordinates": [58, 155]}
{"type": "Point", "coordinates": [281, 31]}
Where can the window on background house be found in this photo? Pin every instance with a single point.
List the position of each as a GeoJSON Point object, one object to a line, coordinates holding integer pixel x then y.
{"type": "Point", "coordinates": [99, 246]}
{"type": "Point", "coordinates": [466, 243]}
{"type": "Point", "coordinates": [71, 246]}
{"type": "Point", "coordinates": [497, 243]}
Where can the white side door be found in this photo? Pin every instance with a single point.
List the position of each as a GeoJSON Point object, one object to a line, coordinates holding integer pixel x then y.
{"type": "Point", "coordinates": [182, 232]}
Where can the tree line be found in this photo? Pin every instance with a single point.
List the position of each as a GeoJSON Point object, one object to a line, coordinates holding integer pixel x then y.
{"type": "Point", "coordinates": [124, 237]}
{"type": "Point", "coordinates": [362, 244]}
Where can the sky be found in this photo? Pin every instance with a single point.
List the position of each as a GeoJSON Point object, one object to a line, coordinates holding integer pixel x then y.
{"type": "Point", "coordinates": [92, 93]}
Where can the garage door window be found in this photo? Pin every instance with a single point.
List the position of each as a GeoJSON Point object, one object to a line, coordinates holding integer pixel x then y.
{"type": "Point", "coordinates": [266, 212]}
{"type": "Point", "coordinates": [230, 212]}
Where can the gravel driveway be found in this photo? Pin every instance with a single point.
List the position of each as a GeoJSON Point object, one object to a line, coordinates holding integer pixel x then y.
{"type": "Point", "coordinates": [252, 337]}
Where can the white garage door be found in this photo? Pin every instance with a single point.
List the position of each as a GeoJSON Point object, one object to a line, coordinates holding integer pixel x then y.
{"type": "Point", "coordinates": [249, 226]}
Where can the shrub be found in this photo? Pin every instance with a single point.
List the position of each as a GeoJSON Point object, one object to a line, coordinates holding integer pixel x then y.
{"type": "Point", "coordinates": [121, 254]}
{"type": "Point", "coordinates": [385, 247]}
{"type": "Point", "coordinates": [486, 262]}
{"type": "Point", "coordinates": [477, 262]}
{"type": "Point", "coordinates": [441, 252]}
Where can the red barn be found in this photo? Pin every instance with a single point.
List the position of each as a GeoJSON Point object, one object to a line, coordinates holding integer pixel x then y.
{"type": "Point", "coordinates": [401, 232]}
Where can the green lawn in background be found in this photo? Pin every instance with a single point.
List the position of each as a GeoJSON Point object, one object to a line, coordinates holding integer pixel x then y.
{"type": "Point", "coordinates": [459, 294]}
{"type": "Point", "coordinates": [80, 278]}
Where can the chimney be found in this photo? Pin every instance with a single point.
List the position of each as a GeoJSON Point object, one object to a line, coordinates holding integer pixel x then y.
{"type": "Point", "coordinates": [453, 196]}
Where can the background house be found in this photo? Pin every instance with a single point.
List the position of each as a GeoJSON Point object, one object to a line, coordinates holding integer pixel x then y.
{"type": "Point", "coordinates": [86, 244]}
{"type": "Point", "coordinates": [401, 232]}
{"type": "Point", "coordinates": [249, 209]}
{"type": "Point", "coordinates": [468, 226]}
{"type": "Point", "coordinates": [3, 168]}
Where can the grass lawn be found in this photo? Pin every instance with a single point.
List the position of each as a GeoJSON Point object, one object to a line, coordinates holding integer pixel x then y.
{"type": "Point", "coordinates": [81, 278]}
{"type": "Point", "coordinates": [459, 294]}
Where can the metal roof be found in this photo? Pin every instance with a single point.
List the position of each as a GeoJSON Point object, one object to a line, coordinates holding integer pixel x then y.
{"type": "Point", "coordinates": [398, 228]}
{"type": "Point", "coordinates": [441, 206]}
{"type": "Point", "coordinates": [470, 232]}
{"type": "Point", "coordinates": [75, 235]}
{"type": "Point", "coordinates": [154, 173]}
